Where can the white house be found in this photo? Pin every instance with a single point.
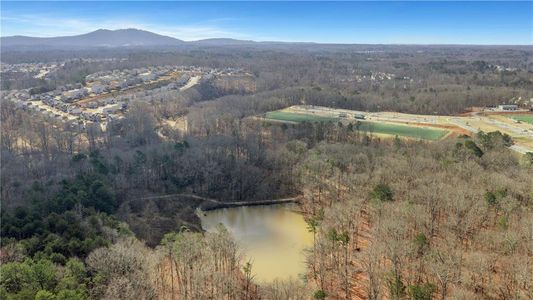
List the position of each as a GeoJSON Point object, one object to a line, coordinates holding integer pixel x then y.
{"type": "Point", "coordinates": [98, 88]}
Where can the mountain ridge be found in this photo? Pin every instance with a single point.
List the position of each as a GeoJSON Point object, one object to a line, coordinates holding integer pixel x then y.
{"type": "Point", "coordinates": [99, 38]}
{"type": "Point", "coordinates": [123, 38]}
{"type": "Point", "coordinates": [131, 37]}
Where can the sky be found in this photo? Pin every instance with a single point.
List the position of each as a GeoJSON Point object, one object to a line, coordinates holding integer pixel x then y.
{"type": "Point", "coordinates": [379, 22]}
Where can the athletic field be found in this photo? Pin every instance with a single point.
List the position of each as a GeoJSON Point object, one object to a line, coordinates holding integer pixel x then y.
{"type": "Point", "coordinates": [296, 118]}
{"type": "Point", "coordinates": [523, 118]}
{"type": "Point", "coordinates": [415, 132]}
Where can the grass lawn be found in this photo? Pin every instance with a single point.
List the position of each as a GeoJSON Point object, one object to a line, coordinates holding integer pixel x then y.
{"type": "Point", "coordinates": [523, 118]}
{"type": "Point", "coordinates": [294, 117]}
{"type": "Point", "coordinates": [403, 130]}
{"type": "Point", "coordinates": [415, 132]}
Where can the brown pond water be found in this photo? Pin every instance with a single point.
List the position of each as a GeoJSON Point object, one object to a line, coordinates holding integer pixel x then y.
{"type": "Point", "coordinates": [273, 237]}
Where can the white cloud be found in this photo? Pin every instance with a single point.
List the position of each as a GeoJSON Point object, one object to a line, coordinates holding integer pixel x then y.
{"type": "Point", "coordinates": [43, 26]}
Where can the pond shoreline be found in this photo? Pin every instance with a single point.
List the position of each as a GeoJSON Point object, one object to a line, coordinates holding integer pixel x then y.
{"type": "Point", "coordinates": [173, 212]}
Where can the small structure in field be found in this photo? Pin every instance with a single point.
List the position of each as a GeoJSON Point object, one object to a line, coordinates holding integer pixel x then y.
{"type": "Point", "coordinates": [507, 107]}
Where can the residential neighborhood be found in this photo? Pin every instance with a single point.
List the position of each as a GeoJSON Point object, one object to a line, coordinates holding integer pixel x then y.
{"type": "Point", "coordinates": [105, 95]}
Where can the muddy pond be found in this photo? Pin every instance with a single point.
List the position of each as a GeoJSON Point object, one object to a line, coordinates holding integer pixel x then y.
{"type": "Point", "coordinates": [272, 237]}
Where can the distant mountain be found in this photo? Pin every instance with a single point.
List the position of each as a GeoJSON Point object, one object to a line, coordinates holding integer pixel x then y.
{"type": "Point", "coordinates": [121, 38]}
{"type": "Point", "coordinates": [140, 38]}
{"type": "Point", "coordinates": [98, 38]}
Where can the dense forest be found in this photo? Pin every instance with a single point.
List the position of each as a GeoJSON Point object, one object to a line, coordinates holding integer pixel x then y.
{"type": "Point", "coordinates": [391, 218]}
{"type": "Point", "coordinates": [450, 220]}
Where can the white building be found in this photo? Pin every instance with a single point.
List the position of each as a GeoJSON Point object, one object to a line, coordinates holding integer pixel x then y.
{"type": "Point", "coordinates": [508, 107]}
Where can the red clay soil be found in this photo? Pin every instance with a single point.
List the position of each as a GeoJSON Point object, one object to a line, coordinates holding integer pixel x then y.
{"type": "Point", "coordinates": [452, 128]}
{"type": "Point", "coordinates": [507, 113]}
{"type": "Point", "coordinates": [360, 279]}
{"type": "Point", "coordinates": [359, 282]}
{"type": "Point", "coordinates": [465, 114]}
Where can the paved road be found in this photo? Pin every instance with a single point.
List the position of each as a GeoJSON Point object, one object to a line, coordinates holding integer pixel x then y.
{"type": "Point", "coordinates": [460, 123]}
{"type": "Point", "coordinates": [521, 149]}
{"type": "Point", "coordinates": [192, 81]}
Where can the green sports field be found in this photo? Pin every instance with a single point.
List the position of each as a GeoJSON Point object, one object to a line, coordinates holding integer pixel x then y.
{"type": "Point", "coordinates": [293, 117]}
{"type": "Point", "coordinates": [369, 127]}
{"type": "Point", "coordinates": [523, 118]}
{"type": "Point", "coordinates": [402, 130]}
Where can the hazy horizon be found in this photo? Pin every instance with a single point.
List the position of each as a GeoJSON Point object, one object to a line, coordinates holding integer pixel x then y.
{"type": "Point", "coordinates": [274, 41]}
{"type": "Point", "coordinates": [422, 23]}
